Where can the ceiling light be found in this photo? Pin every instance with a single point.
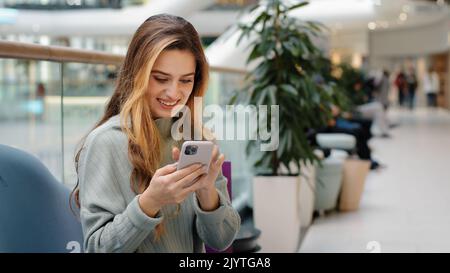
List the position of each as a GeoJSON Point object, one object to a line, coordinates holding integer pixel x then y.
{"type": "Point", "coordinates": [330, 9]}
{"type": "Point", "coordinates": [403, 16]}
{"type": "Point", "coordinates": [372, 25]}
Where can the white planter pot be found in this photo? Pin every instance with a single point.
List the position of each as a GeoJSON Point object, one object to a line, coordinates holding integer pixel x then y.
{"type": "Point", "coordinates": [276, 212]}
{"type": "Point", "coordinates": [307, 194]}
{"type": "Point", "coordinates": [329, 181]}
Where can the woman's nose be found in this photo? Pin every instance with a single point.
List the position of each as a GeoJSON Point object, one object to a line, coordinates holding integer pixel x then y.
{"type": "Point", "coordinates": [172, 90]}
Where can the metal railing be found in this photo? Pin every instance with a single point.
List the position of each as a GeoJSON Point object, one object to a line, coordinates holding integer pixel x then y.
{"type": "Point", "coordinates": [18, 50]}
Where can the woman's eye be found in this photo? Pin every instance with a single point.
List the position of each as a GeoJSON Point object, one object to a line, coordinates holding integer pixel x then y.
{"type": "Point", "coordinates": [186, 81]}
{"type": "Point", "coordinates": [162, 80]}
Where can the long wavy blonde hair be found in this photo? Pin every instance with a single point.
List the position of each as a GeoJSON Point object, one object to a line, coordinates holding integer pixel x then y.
{"type": "Point", "coordinates": [130, 98]}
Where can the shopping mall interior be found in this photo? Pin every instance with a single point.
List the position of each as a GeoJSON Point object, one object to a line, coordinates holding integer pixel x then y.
{"type": "Point", "coordinates": [379, 70]}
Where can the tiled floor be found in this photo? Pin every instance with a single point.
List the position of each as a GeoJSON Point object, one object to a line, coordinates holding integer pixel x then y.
{"type": "Point", "coordinates": [406, 206]}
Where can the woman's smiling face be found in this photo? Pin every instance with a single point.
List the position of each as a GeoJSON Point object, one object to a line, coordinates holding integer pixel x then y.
{"type": "Point", "coordinates": [171, 81]}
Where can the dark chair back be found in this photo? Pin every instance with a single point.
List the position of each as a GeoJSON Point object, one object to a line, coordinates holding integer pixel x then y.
{"type": "Point", "coordinates": [34, 207]}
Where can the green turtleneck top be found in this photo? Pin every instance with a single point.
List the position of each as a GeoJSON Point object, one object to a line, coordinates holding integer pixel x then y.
{"type": "Point", "coordinates": [111, 217]}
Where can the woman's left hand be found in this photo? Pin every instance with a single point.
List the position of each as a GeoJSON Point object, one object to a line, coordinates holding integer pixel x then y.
{"type": "Point", "coordinates": [206, 189]}
{"type": "Point", "coordinates": [206, 181]}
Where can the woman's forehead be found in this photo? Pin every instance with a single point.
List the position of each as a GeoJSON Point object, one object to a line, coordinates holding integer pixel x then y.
{"type": "Point", "coordinates": [175, 63]}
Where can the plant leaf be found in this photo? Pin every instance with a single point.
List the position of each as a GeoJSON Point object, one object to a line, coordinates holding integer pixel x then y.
{"type": "Point", "coordinates": [289, 89]}
{"type": "Point", "coordinates": [297, 6]}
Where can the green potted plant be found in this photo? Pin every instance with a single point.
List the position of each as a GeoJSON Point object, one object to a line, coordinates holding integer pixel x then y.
{"type": "Point", "coordinates": [282, 48]}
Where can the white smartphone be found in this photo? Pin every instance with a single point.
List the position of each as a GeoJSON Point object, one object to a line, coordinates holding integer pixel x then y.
{"type": "Point", "coordinates": [193, 152]}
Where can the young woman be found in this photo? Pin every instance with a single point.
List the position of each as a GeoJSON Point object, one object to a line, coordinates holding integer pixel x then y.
{"type": "Point", "coordinates": [131, 197]}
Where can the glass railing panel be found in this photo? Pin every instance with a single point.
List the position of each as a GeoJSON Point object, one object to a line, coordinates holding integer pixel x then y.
{"type": "Point", "coordinates": [87, 88]}
{"type": "Point", "coordinates": [30, 109]}
{"type": "Point", "coordinates": [46, 108]}
{"type": "Point", "coordinates": [222, 86]}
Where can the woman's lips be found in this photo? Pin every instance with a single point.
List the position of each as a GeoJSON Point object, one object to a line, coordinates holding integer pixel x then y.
{"type": "Point", "coordinates": [167, 104]}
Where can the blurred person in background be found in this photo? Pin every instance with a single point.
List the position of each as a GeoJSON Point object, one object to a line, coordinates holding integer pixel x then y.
{"type": "Point", "coordinates": [373, 109]}
{"type": "Point", "coordinates": [383, 88]}
{"type": "Point", "coordinates": [39, 107]}
{"type": "Point", "coordinates": [357, 127]}
{"type": "Point", "coordinates": [411, 83]}
{"type": "Point", "coordinates": [402, 87]}
{"type": "Point", "coordinates": [431, 86]}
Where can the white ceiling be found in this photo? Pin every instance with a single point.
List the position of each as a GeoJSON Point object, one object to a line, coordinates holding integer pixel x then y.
{"type": "Point", "coordinates": [351, 15]}
{"type": "Point", "coordinates": [105, 22]}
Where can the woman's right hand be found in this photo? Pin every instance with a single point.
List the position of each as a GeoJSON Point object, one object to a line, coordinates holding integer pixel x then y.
{"type": "Point", "coordinates": [169, 186]}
